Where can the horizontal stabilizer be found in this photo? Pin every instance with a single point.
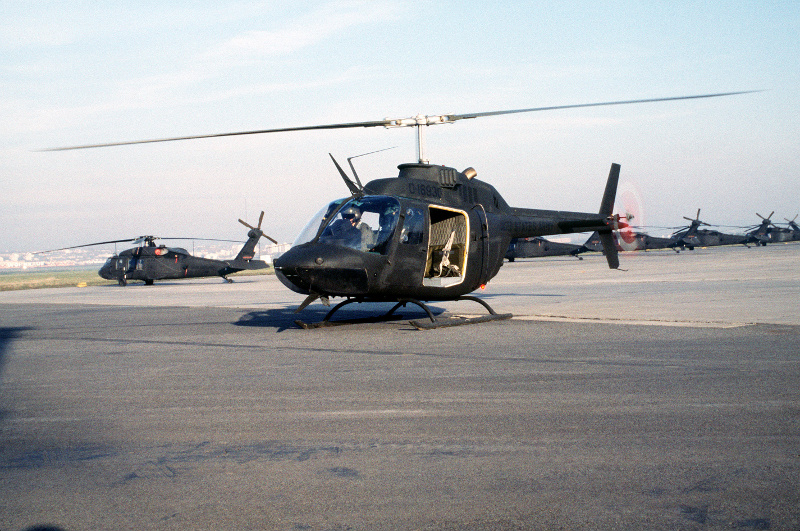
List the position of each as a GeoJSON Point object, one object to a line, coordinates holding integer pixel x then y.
{"type": "Point", "coordinates": [242, 265]}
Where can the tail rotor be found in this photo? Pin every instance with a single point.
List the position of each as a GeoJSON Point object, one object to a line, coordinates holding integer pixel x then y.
{"type": "Point", "coordinates": [630, 209]}
{"type": "Point", "coordinates": [256, 232]}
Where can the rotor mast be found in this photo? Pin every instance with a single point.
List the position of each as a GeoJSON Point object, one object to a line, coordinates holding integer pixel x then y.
{"type": "Point", "coordinates": [418, 122]}
{"type": "Point", "coordinates": [421, 146]}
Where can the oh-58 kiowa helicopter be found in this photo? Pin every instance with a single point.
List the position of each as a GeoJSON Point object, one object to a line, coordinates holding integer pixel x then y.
{"type": "Point", "coordinates": [432, 233]}
{"type": "Point", "coordinates": [150, 262]}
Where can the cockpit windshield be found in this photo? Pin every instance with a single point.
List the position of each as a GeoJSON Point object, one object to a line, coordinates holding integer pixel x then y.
{"type": "Point", "coordinates": [365, 224]}
{"type": "Point", "coordinates": [314, 225]}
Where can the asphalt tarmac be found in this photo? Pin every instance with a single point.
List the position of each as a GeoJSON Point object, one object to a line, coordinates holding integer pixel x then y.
{"type": "Point", "coordinates": [666, 396]}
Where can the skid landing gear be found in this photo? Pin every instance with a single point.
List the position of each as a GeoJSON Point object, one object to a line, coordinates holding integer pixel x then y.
{"type": "Point", "coordinates": [433, 322]}
{"type": "Point", "coordinates": [459, 321]}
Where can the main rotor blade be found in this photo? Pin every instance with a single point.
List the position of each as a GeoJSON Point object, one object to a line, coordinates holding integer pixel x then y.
{"type": "Point", "coordinates": [203, 239]}
{"type": "Point", "coordinates": [415, 121]}
{"type": "Point", "coordinates": [131, 240]}
{"type": "Point", "coordinates": [599, 104]}
{"type": "Point", "coordinates": [379, 123]}
{"type": "Point", "coordinates": [85, 245]}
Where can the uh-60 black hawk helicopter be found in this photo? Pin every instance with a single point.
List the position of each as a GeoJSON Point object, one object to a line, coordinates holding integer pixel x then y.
{"type": "Point", "coordinates": [432, 233]}
{"type": "Point", "coordinates": [150, 262]}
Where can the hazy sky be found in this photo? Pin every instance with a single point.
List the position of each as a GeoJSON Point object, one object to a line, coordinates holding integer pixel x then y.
{"type": "Point", "coordinates": [86, 72]}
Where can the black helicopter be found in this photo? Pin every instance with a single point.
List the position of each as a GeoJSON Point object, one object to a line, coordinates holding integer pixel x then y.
{"type": "Point", "coordinates": [149, 262]}
{"type": "Point", "coordinates": [432, 233]}
{"type": "Point", "coordinates": [693, 236]}
{"type": "Point", "coordinates": [641, 241]}
{"type": "Point", "coordinates": [538, 247]}
{"type": "Point", "coordinates": [625, 240]}
{"type": "Point", "coordinates": [793, 225]}
{"type": "Point", "coordinates": [790, 233]}
{"type": "Point", "coordinates": [439, 235]}
{"type": "Point", "coordinates": [760, 234]}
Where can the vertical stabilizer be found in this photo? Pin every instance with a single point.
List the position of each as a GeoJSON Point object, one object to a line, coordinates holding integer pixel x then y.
{"type": "Point", "coordinates": [248, 251]}
{"type": "Point", "coordinates": [607, 210]}
{"type": "Point", "coordinates": [610, 248]}
{"type": "Point", "coordinates": [607, 205]}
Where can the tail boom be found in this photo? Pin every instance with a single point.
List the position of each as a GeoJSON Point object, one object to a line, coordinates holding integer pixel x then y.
{"type": "Point", "coordinates": [526, 223]}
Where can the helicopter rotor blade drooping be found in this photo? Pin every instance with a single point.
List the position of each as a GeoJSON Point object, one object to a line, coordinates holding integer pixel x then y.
{"type": "Point", "coordinates": [139, 240]}
{"type": "Point", "coordinates": [126, 240]}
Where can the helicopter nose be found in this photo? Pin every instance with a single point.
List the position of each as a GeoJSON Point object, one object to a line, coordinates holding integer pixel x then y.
{"type": "Point", "coordinates": [105, 272]}
{"type": "Point", "coordinates": [323, 269]}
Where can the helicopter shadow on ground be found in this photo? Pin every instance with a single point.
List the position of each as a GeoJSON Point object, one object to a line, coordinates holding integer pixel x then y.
{"type": "Point", "coordinates": [177, 282]}
{"type": "Point", "coordinates": [285, 318]}
{"type": "Point", "coordinates": [7, 335]}
{"type": "Point", "coordinates": [502, 296]}
{"type": "Point", "coordinates": [536, 259]}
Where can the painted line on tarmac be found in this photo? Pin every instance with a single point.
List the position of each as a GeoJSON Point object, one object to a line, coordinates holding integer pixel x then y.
{"type": "Point", "coordinates": [636, 322]}
{"type": "Point", "coordinates": [369, 413]}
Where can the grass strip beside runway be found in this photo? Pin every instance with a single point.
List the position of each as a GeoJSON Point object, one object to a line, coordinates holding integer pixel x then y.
{"type": "Point", "coordinates": [70, 278]}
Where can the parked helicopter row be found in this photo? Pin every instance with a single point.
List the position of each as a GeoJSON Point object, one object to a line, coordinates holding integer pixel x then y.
{"type": "Point", "coordinates": [432, 233]}
{"type": "Point", "coordinates": [687, 237]}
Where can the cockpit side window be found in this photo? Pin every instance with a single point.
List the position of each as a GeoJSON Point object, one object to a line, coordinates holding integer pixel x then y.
{"type": "Point", "coordinates": [413, 232]}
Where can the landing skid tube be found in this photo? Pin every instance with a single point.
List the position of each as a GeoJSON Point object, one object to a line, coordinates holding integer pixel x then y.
{"type": "Point", "coordinates": [419, 325]}
{"type": "Point", "coordinates": [456, 321]}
